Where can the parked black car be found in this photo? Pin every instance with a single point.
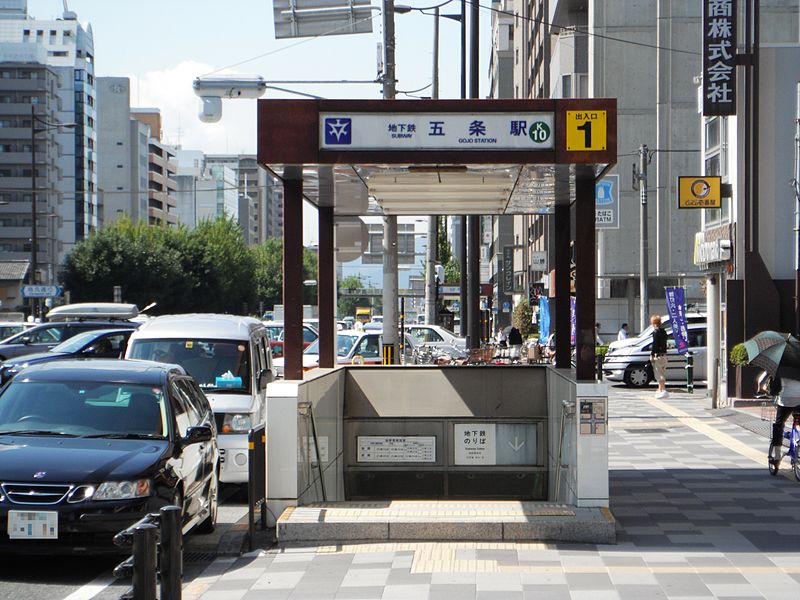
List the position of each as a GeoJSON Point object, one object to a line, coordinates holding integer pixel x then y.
{"type": "Point", "coordinates": [48, 335]}
{"type": "Point", "coordinates": [99, 343]}
{"type": "Point", "coordinates": [88, 447]}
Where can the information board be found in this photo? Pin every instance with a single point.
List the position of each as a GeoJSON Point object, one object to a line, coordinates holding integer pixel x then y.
{"type": "Point", "coordinates": [495, 443]}
{"type": "Point", "coordinates": [475, 444]}
{"type": "Point", "coordinates": [396, 449]}
{"type": "Point", "coordinates": [592, 416]}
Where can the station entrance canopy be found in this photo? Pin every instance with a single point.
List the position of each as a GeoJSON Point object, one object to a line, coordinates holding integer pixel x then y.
{"type": "Point", "coordinates": [436, 157]}
{"type": "Point", "coordinates": [412, 157]}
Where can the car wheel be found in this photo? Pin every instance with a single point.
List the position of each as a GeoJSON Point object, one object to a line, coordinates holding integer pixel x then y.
{"type": "Point", "coordinates": [210, 523]}
{"type": "Point", "coordinates": [637, 376]}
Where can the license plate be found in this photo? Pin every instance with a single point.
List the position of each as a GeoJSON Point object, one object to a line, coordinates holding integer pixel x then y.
{"type": "Point", "coordinates": [32, 525]}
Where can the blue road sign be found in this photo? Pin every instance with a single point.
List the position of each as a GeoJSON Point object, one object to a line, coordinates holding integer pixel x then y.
{"type": "Point", "coordinates": [40, 291]}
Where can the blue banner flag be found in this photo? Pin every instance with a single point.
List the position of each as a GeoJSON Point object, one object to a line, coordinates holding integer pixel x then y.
{"type": "Point", "coordinates": [676, 306]}
{"type": "Point", "coordinates": [544, 318]}
{"type": "Point", "coordinates": [572, 320]}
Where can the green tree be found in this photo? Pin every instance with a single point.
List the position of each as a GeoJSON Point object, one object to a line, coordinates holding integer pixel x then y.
{"type": "Point", "coordinates": [269, 273]}
{"type": "Point", "coordinates": [349, 288]}
{"type": "Point", "coordinates": [452, 271]}
{"type": "Point", "coordinates": [522, 318]}
{"type": "Point", "coordinates": [143, 260]}
{"type": "Point", "coordinates": [210, 269]}
{"type": "Point", "coordinates": [444, 252]}
{"type": "Point", "coordinates": [226, 268]}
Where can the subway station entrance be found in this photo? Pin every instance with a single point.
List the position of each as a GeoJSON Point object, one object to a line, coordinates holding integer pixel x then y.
{"type": "Point", "coordinates": [469, 433]}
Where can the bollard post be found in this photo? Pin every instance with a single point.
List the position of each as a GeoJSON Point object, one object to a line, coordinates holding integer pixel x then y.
{"type": "Point", "coordinates": [144, 562]}
{"type": "Point", "coordinates": [599, 366]}
{"type": "Point", "coordinates": [689, 373]}
{"type": "Point", "coordinates": [171, 553]}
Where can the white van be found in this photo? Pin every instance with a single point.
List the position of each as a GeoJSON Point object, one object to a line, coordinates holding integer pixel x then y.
{"type": "Point", "coordinates": [230, 358]}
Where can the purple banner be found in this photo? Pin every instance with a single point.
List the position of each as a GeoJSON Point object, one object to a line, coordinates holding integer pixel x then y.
{"type": "Point", "coordinates": [572, 320]}
{"type": "Point", "coordinates": [676, 306]}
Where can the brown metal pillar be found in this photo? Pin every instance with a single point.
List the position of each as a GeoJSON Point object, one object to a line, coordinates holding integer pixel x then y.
{"type": "Point", "coordinates": [562, 237]}
{"type": "Point", "coordinates": [325, 289]}
{"type": "Point", "coordinates": [293, 278]}
{"type": "Point", "coordinates": [585, 271]}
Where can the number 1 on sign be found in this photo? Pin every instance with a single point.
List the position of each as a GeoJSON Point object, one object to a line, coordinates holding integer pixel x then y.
{"type": "Point", "coordinates": [586, 128]}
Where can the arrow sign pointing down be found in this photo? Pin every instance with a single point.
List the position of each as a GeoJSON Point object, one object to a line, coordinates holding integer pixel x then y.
{"type": "Point", "coordinates": [517, 444]}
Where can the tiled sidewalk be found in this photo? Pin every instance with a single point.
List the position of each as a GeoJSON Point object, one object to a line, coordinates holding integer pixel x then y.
{"type": "Point", "coordinates": [698, 517]}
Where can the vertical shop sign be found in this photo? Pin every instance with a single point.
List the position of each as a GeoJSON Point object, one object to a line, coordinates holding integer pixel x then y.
{"type": "Point", "coordinates": [719, 57]}
{"type": "Point", "coordinates": [508, 269]}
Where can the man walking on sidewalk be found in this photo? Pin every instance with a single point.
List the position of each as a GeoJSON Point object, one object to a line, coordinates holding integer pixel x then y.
{"type": "Point", "coordinates": [658, 356]}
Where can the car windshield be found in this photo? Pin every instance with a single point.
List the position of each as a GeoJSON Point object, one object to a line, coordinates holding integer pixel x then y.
{"type": "Point", "coordinates": [343, 345]}
{"type": "Point", "coordinates": [75, 343]}
{"type": "Point", "coordinates": [216, 365]}
{"type": "Point", "coordinates": [274, 332]}
{"type": "Point", "coordinates": [94, 409]}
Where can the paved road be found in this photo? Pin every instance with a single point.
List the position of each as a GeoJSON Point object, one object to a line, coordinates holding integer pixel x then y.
{"type": "Point", "coordinates": [698, 517]}
{"type": "Point", "coordinates": [82, 578]}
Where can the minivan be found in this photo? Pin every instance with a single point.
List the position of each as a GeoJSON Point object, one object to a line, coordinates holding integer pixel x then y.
{"type": "Point", "coordinates": [630, 362]}
{"type": "Point", "coordinates": [229, 357]}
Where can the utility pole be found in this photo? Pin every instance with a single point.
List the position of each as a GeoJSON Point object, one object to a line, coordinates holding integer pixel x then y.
{"type": "Point", "coordinates": [390, 291]}
{"type": "Point", "coordinates": [473, 221]}
{"type": "Point", "coordinates": [433, 230]}
{"type": "Point", "coordinates": [640, 183]}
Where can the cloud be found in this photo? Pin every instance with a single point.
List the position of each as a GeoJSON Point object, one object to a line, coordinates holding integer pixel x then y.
{"type": "Point", "coordinates": [170, 90]}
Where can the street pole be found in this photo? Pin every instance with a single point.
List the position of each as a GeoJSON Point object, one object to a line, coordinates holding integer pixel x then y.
{"type": "Point", "coordinates": [644, 306]}
{"type": "Point", "coordinates": [34, 233]}
{"type": "Point", "coordinates": [433, 230]}
{"type": "Point", "coordinates": [462, 231]}
{"type": "Point", "coordinates": [390, 287]}
{"type": "Point", "coordinates": [474, 221]}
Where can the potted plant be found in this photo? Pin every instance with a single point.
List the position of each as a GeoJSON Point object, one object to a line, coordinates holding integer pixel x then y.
{"type": "Point", "coordinates": [746, 376]}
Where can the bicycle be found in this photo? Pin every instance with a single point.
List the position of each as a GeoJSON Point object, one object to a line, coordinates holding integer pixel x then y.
{"type": "Point", "coordinates": [776, 452]}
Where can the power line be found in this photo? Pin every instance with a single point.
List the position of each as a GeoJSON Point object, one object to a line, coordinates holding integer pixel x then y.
{"type": "Point", "coordinates": [577, 29]}
{"type": "Point", "coordinates": [294, 45]}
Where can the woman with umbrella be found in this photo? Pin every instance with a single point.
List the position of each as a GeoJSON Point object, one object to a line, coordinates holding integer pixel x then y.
{"type": "Point", "coordinates": [779, 355]}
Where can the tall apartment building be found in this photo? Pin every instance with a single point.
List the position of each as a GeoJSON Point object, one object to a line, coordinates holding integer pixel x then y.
{"type": "Point", "coordinates": [47, 65]}
{"type": "Point", "coordinates": [123, 144]}
{"type": "Point", "coordinates": [260, 197]}
{"type": "Point", "coordinates": [161, 169]}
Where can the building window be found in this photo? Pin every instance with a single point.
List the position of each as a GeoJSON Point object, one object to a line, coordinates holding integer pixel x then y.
{"type": "Point", "coordinates": [715, 164]}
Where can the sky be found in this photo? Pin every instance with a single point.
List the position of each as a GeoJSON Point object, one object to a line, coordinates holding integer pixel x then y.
{"type": "Point", "coordinates": [163, 45]}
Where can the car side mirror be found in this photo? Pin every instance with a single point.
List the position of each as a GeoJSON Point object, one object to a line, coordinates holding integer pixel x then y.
{"type": "Point", "coordinates": [197, 435]}
{"type": "Point", "coordinates": [25, 339]}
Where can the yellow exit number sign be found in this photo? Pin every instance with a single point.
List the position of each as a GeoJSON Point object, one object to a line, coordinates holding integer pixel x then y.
{"type": "Point", "coordinates": [586, 130]}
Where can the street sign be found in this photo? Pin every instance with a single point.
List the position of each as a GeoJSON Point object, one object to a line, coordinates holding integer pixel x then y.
{"type": "Point", "coordinates": [346, 131]}
{"type": "Point", "coordinates": [539, 260]}
{"type": "Point", "coordinates": [699, 192]}
{"type": "Point", "coordinates": [449, 290]}
{"type": "Point", "coordinates": [307, 18]}
{"type": "Point", "coordinates": [40, 291]}
{"type": "Point", "coordinates": [606, 203]}
{"type": "Point", "coordinates": [586, 130]}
